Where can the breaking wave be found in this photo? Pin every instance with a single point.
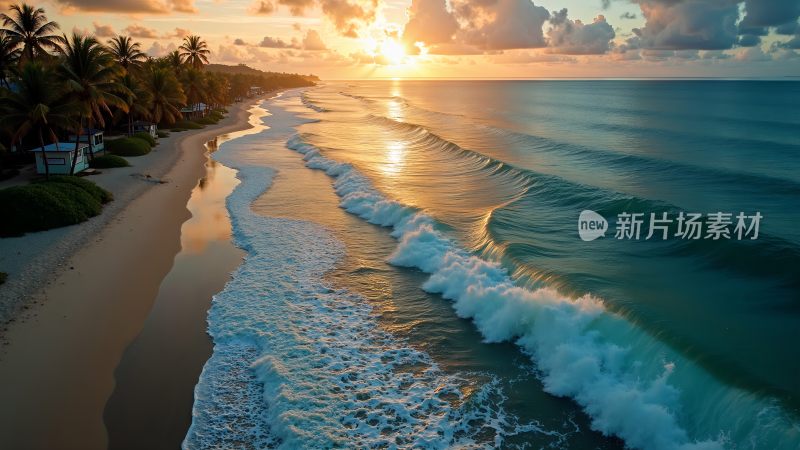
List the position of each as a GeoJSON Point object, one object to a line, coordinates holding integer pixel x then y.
{"type": "Point", "coordinates": [629, 383]}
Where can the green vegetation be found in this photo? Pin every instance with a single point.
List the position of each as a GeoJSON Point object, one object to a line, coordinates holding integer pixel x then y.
{"type": "Point", "coordinates": [108, 162]}
{"type": "Point", "coordinates": [58, 202]}
{"type": "Point", "coordinates": [145, 137]}
{"type": "Point", "coordinates": [3, 277]}
{"type": "Point", "coordinates": [162, 134]}
{"type": "Point", "coordinates": [128, 146]}
{"type": "Point", "coordinates": [98, 193]}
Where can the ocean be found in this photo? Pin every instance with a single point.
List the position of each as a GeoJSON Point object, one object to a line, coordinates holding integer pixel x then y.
{"type": "Point", "coordinates": [415, 276]}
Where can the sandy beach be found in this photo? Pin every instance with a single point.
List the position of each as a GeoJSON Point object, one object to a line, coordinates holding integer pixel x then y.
{"type": "Point", "coordinates": [78, 296]}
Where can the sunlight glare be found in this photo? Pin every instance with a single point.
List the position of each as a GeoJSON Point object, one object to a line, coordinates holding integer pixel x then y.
{"type": "Point", "coordinates": [392, 51]}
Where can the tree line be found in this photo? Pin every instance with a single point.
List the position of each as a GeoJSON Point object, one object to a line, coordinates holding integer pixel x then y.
{"type": "Point", "coordinates": [53, 84]}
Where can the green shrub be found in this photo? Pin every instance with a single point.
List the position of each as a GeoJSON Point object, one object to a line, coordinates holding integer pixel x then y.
{"type": "Point", "coordinates": [162, 134]}
{"type": "Point", "coordinates": [61, 201]}
{"type": "Point", "coordinates": [98, 193]}
{"type": "Point", "coordinates": [177, 130]}
{"type": "Point", "coordinates": [108, 161]}
{"type": "Point", "coordinates": [3, 277]}
{"type": "Point", "coordinates": [188, 125]}
{"type": "Point", "coordinates": [145, 137]}
{"type": "Point", "coordinates": [128, 146]}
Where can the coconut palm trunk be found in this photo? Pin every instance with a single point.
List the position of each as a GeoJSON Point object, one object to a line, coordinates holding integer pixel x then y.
{"type": "Point", "coordinates": [44, 157]}
{"type": "Point", "coordinates": [77, 145]}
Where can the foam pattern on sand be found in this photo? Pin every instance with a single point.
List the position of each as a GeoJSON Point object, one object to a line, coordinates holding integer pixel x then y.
{"type": "Point", "coordinates": [631, 385]}
{"type": "Point", "coordinates": [297, 364]}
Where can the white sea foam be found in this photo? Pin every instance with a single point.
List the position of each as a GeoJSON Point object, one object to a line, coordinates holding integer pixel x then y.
{"type": "Point", "coordinates": [297, 364]}
{"type": "Point", "coordinates": [630, 385]}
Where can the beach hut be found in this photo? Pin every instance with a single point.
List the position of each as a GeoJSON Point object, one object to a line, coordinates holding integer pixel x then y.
{"type": "Point", "coordinates": [59, 157]}
{"type": "Point", "coordinates": [141, 126]}
{"type": "Point", "coordinates": [96, 137]}
{"type": "Point", "coordinates": [195, 111]}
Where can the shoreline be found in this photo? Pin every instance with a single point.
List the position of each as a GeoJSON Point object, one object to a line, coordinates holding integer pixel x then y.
{"type": "Point", "coordinates": [57, 366]}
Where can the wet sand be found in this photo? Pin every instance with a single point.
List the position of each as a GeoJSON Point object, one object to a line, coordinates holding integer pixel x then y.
{"type": "Point", "coordinates": [57, 372]}
{"type": "Point", "coordinates": [160, 369]}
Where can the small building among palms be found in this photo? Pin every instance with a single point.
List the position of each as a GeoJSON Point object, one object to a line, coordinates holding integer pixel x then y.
{"type": "Point", "coordinates": [59, 158]}
{"type": "Point", "coordinates": [195, 111]}
{"type": "Point", "coordinates": [143, 126]}
{"type": "Point", "coordinates": [94, 136]}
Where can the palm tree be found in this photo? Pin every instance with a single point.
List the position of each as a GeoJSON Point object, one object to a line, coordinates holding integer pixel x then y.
{"type": "Point", "coordinates": [194, 85]}
{"type": "Point", "coordinates": [194, 51]}
{"type": "Point", "coordinates": [166, 95]}
{"type": "Point", "coordinates": [9, 53]}
{"type": "Point", "coordinates": [36, 106]}
{"type": "Point", "coordinates": [29, 28]}
{"type": "Point", "coordinates": [136, 97]}
{"type": "Point", "coordinates": [173, 59]}
{"type": "Point", "coordinates": [90, 77]}
{"type": "Point", "coordinates": [127, 52]}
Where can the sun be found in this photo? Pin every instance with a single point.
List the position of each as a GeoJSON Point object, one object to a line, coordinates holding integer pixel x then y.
{"type": "Point", "coordinates": [392, 51]}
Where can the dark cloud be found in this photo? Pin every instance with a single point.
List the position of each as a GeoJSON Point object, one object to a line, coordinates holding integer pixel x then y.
{"type": "Point", "coordinates": [141, 32]}
{"type": "Point", "coordinates": [770, 13]}
{"type": "Point", "coordinates": [748, 40]}
{"type": "Point", "coordinates": [688, 24]}
{"type": "Point", "coordinates": [262, 7]}
{"type": "Point", "coordinates": [297, 7]}
{"type": "Point", "coordinates": [576, 38]}
{"type": "Point", "coordinates": [271, 42]}
{"type": "Point", "coordinates": [103, 31]}
{"type": "Point", "coordinates": [127, 6]}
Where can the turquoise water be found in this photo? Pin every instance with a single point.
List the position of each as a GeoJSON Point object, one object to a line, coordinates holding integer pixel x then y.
{"type": "Point", "coordinates": [438, 238]}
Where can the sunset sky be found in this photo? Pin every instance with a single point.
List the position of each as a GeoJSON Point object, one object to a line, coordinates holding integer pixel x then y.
{"type": "Point", "coordinates": [340, 39]}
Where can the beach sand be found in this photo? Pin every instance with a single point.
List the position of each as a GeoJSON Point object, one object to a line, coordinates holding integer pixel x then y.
{"type": "Point", "coordinates": [57, 365]}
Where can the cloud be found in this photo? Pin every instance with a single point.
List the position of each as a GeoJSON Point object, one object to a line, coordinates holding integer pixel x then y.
{"type": "Point", "coordinates": [502, 24]}
{"type": "Point", "coordinates": [627, 15]}
{"type": "Point", "coordinates": [127, 6]}
{"type": "Point", "coordinates": [157, 50]}
{"type": "Point", "coordinates": [312, 41]}
{"type": "Point", "coordinates": [141, 32]}
{"type": "Point", "coordinates": [297, 7]}
{"type": "Point", "coordinates": [347, 15]}
{"type": "Point", "coordinates": [186, 6]}
{"type": "Point", "coordinates": [752, 54]}
{"type": "Point", "coordinates": [231, 54]}
{"type": "Point", "coordinates": [576, 38]}
{"type": "Point", "coordinates": [180, 33]}
{"type": "Point", "coordinates": [475, 26]}
{"type": "Point", "coordinates": [688, 24]}
{"type": "Point", "coordinates": [429, 22]}
{"type": "Point", "coordinates": [103, 31]}
{"type": "Point", "coordinates": [271, 42]}
{"type": "Point", "coordinates": [262, 7]}
{"type": "Point", "coordinates": [770, 13]}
